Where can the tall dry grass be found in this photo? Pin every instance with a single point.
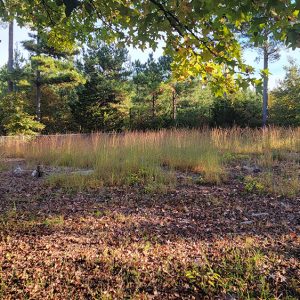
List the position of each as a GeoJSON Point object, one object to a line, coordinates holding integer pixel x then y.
{"type": "Point", "coordinates": [151, 157]}
{"type": "Point", "coordinates": [257, 141]}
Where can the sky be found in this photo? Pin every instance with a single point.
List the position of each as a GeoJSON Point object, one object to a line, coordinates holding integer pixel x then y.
{"type": "Point", "coordinates": [276, 68]}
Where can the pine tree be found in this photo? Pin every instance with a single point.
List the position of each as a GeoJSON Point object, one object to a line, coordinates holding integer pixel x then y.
{"type": "Point", "coordinates": [103, 102]}
{"type": "Point", "coordinates": [148, 78]}
{"type": "Point", "coordinates": [268, 47]}
{"type": "Point", "coordinates": [50, 66]}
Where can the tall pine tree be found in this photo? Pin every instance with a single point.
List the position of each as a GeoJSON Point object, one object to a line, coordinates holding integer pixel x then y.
{"type": "Point", "coordinates": [103, 102]}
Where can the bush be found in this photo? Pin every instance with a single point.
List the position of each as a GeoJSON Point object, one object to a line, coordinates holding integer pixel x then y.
{"type": "Point", "coordinates": [241, 109]}
{"type": "Point", "coordinates": [14, 119]}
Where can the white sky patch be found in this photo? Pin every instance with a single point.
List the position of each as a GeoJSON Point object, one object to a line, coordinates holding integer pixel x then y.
{"type": "Point", "coordinates": [135, 54]}
{"type": "Point", "coordinates": [276, 68]}
{"type": "Point", "coordinates": [20, 34]}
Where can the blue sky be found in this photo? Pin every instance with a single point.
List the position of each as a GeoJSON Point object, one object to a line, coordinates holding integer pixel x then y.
{"type": "Point", "coordinates": [276, 69]}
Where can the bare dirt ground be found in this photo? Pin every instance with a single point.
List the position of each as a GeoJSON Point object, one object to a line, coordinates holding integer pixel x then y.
{"type": "Point", "coordinates": [195, 241]}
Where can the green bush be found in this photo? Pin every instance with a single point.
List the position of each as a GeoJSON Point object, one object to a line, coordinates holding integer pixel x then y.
{"type": "Point", "coordinates": [14, 119]}
{"type": "Point", "coordinates": [285, 99]}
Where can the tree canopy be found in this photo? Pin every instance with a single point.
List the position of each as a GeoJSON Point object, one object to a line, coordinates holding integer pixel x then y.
{"type": "Point", "coordinates": [198, 34]}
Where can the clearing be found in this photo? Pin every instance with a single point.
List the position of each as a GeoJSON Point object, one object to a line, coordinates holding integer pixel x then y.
{"type": "Point", "coordinates": [158, 221]}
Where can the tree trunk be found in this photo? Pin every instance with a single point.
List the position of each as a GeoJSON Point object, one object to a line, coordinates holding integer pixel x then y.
{"type": "Point", "coordinates": [174, 107]}
{"type": "Point", "coordinates": [130, 118]}
{"type": "Point", "coordinates": [153, 105]}
{"type": "Point", "coordinates": [265, 89]}
{"type": "Point", "coordinates": [10, 64]}
{"type": "Point", "coordinates": [38, 96]}
{"type": "Point", "coordinates": [38, 84]}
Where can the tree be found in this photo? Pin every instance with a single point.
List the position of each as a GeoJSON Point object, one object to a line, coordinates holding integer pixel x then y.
{"type": "Point", "coordinates": [194, 104]}
{"type": "Point", "coordinates": [175, 92]}
{"type": "Point", "coordinates": [268, 49]}
{"type": "Point", "coordinates": [200, 44]}
{"type": "Point", "coordinates": [247, 106]}
{"type": "Point", "coordinates": [7, 16]}
{"type": "Point", "coordinates": [10, 54]}
{"type": "Point", "coordinates": [185, 104]}
{"type": "Point", "coordinates": [285, 105]}
{"type": "Point", "coordinates": [170, 92]}
{"type": "Point", "coordinates": [18, 76]}
{"type": "Point", "coordinates": [50, 66]}
{"type": "Point", "coordinates": [14, 118]}
{"type": "Point", "coordinates": [103, 102]}
{"type": "Point", "coordinates": [148, 78]}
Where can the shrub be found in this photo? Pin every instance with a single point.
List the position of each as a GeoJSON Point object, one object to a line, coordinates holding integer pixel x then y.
{"type": "Point", "coordinates": [15, 120]}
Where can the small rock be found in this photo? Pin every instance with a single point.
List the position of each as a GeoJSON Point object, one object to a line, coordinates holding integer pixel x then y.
{"type": "Point", "coordinates": [247, 169]}
{"type": "Point", "coordinates": [18, 171]}
{"type": "Point", "coordinates": [251, 169]}
{"type": "Point", "coordinates": [246, 222]}
{"type": "Point", "coordinates": [231, 297]}
{"type": "Point", "coordinates": [256, 170]}
{"type": "Point", "coordinates": [260, 214]}
{"type": "Point", "coordinates": [37, 172]}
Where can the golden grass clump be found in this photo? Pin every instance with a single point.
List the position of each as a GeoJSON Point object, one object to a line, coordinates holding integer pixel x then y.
{"type": "Point", "coordinates": [255, 141]}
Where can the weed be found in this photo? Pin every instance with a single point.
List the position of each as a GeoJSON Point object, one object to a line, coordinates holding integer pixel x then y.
{"type": "Point", "coordinates": [237, 274]}
{"type": "Point", "coordinates": [54, 221]}
{"type": "Point", "coordinates": [215, 200]}
{"type": "Point", "coordinates": [285, 184]}
{"type": "Point", "coordinates": [100, 213]}
{"type": "Point", "coordinates": [252, 184]}
{"type": "Point", "coordinates": [229, 156]}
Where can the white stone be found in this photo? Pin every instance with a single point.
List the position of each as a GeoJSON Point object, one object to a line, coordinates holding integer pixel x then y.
{"type": "Point", "coordinates": [34, 173]}
{"type": "Point", "coordinates": [18, 171]}
{"type": "Point", "coordinates": [260, 214]}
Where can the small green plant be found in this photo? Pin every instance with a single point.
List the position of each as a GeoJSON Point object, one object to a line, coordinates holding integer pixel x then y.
{"type": "Point", "coordinates": [285, 184]}
{"type": "Point", "coordinates": [252, 184]}
{"type": "Point", "coordinates": [278, 155]}
{"type": "Point", "coordinates": [200, 180]}
{"type": "Point", "coordinates": [100, 213]}
{"type": "Point", "coordinates": [142, 176]}
{"type": "Point", "coordinates": [229, 156]}
{"type": "Point", "coordinates": [239, 273]}
{"type": "Point", "coordinates": [133, 179]}
{"type": "Point", "coordinates": [206, 278]}
{"type": "Point", "coordinates": [54, 221]}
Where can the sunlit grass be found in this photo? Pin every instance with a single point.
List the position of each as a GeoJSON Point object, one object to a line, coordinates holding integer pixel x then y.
{"type": "Point", "coordinates": [153, 158]}
{"type": "Point", "coordinates": [257, 141]}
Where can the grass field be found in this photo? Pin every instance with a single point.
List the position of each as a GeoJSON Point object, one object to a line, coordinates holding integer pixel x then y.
{"type": "Point", "coordinates": [153, 158]}
{"type": "Point", "coordinates": [182, 214]}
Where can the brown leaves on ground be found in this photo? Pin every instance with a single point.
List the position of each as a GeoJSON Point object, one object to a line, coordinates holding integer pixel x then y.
{"type": "Point", "coordinates": [192, 242]}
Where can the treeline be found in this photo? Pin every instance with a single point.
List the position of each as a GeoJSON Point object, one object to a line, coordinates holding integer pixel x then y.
{"type": "Point", "coordinates": [100, 89]}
